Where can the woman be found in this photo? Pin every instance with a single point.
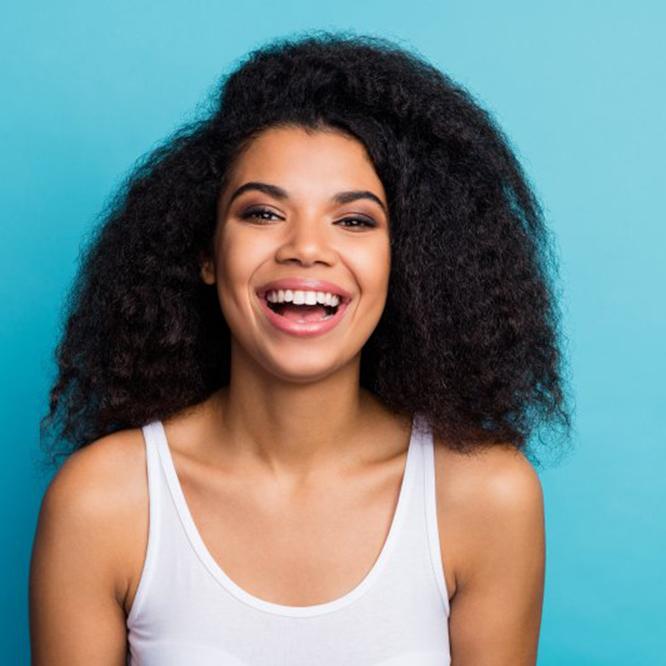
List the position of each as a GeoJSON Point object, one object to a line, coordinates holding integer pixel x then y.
{"type": "Point", "coordinates": [300, 368]}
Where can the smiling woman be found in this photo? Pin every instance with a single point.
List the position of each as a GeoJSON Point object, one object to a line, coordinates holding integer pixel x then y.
{"type": "Point", "coordinates": [301, 366]}
{"type": "Point", "coordinates": [302, 248]}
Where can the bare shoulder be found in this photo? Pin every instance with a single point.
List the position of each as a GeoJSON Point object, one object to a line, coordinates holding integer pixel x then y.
{"type": "Point", "coordinates": [485, 499]}
{"type": "Point", "coordinates": [99, 496]}
{"type": "Point", "coordinates": [90, 531]}
{"type": "Point", "coordinates": [498, 479]}
{"type": "Point", "coordinates": [498, 474]}
{"type": "Point", "coordinates": [100, 478]}
{"type": "Point", "coordinates": [92, 463]}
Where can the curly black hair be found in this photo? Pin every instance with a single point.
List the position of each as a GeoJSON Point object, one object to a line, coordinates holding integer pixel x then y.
{"type": "Point", "coordinates": [470, 331]}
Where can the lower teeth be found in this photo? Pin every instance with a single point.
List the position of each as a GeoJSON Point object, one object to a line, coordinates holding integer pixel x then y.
{"type": "Point", "coordinates": [305, 321]}
{"type": "Point", "coordinates": [330, 310]}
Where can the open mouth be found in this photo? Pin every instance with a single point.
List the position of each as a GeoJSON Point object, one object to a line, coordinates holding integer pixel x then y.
{"type": "Point", "coordinates": [303, 313]}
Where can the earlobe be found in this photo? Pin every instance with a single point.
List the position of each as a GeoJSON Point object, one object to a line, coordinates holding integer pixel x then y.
{"type": "Point", "coordinates": [207, 271]}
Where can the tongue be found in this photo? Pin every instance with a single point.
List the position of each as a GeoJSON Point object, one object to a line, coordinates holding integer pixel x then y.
{"type": "Point", "coordinates": [303, 312]}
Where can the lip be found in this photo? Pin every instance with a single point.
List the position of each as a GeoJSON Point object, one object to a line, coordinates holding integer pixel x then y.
{"type": "Point", "coordinates": [305, 283]}
{"type": "Point", "coordinates": [303, 329]}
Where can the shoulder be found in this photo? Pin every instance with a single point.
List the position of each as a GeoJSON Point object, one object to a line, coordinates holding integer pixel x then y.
{"type": "Point", "coordinates": [489, 503]}
{"type": "Point", "coordinates": [98, 476]}
{"type": "Point", "coordinates": [495, 479]}
{"type": "Point", "coordinates": [95, 501]}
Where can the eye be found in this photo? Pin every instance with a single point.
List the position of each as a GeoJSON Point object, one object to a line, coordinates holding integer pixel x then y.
{"type": "Point", "coordinates": [359, 222]}
{"type": "Point", "coordinates": [264, 215]}
{"type": "Point", "coordinates": [261, 214]}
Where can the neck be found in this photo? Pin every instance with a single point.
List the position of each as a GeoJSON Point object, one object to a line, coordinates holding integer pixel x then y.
{"type": "Point", "coordinates": [293, 430]}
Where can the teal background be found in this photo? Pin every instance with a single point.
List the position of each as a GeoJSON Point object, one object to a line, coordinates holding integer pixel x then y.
{"type": "Point", "coordinates": [579, 88]}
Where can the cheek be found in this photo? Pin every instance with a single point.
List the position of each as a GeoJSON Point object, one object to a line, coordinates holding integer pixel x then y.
{"type": "Point", "coordinates": [240, 254]}
{"type": "Point", "coordinates": [372, 265]}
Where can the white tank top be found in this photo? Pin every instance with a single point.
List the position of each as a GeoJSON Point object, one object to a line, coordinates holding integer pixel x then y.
{"type": "Point", "coordinates": [188, 611]}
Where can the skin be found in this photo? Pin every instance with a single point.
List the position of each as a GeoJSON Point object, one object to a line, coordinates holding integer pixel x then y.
{"type": "Point", "coordinates": [323, 477]}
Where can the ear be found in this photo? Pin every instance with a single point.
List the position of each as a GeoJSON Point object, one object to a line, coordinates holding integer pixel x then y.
{"type": "Point", "coordinates": [207, 269]}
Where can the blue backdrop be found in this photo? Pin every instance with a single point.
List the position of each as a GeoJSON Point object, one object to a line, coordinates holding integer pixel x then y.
{"type": "Point", "coordinates": [578, 87]}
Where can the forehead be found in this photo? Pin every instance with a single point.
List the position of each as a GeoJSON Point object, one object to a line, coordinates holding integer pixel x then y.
{"type": "Point", "coordinates": [311, 161]}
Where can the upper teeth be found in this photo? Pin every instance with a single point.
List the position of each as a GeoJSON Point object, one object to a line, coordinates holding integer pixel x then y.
{"type": "Point", "coordinates": [302, 297]}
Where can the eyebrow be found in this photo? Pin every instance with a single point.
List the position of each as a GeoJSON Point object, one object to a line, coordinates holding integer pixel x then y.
{"type": "Point", "coordinates": [279, 193]}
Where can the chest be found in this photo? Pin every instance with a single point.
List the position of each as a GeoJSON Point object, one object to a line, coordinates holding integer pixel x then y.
{"type": "Point", "coordinates": [294, 548]}
{"type": "Point", "coordinates": [297, 548]}
{"type": "Point", "coordinates": [300, 550]}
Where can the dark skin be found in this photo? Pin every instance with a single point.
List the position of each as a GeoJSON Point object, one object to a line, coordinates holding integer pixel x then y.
{"type": "Point", "coordinates": [325, 476]}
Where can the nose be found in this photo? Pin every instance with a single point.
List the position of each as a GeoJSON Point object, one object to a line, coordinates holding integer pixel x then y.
{"type": "Point", "coordinates": [306, 242]}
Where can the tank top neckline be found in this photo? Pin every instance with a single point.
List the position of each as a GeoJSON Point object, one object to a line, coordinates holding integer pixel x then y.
{"type": "Point", "coordinates": [202, 552]}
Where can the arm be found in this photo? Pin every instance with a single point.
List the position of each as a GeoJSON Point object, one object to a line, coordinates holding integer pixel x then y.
{"type": "Point", "coordinates": [75, 595]}
{"type": "Point", "coordinates": [496, 610]}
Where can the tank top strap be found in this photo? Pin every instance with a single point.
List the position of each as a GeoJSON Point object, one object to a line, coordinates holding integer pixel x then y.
{"type": "Point", "coordinates": [155, 508]}
{"type": "Point", "coordinates": [430, 507]}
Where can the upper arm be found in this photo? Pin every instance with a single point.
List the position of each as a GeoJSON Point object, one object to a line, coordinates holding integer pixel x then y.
{"type": "Point", "coordinates": [496, 610]}
{"type": "Point", "coordinates": [76, 616]}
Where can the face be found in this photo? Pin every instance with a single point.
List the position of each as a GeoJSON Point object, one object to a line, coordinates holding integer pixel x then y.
{"type": "Point", "coordinates": [302, 212]}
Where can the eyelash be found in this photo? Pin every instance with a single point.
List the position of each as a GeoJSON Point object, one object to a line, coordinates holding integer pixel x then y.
{"type": "Point", "coordinates": [260, 211]}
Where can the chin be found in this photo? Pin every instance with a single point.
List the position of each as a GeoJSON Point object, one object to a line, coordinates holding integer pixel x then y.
{"type": "Point", "coordinates": [305, 370]}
